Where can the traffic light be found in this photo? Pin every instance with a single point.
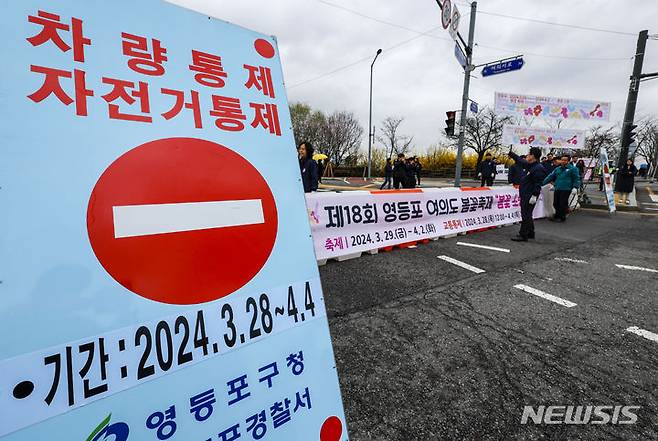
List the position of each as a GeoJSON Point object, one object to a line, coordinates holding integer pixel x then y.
{"type": "Point", "coordinates": [450, 123]}
{"type": "Point", "coordinates": [632, 134]}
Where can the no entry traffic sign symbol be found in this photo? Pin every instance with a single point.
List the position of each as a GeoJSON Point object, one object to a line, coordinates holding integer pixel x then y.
{"type": "Point", "coordinates": [182, 220]}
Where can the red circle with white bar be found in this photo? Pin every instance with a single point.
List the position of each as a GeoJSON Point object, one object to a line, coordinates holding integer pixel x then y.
{"type": "Point", "coordinates": [182, 221]}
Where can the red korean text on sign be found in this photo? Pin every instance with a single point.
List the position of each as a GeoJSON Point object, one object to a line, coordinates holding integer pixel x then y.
{"type": "Point", "coordinates": [209, 69]}
{"type": "Point", "coordinates": [50, 27]}
{"type": "Point", "coordinates": [261, 78]}
{"type": "Point", "coordinates": [267, 116]}
{"type": "Point", "coordinates": [120, 90]}
{"type": "Point", "coordinates": [228, 113]}
{"type": "Point", "coordinates": [144, 61]}
{"type": "Point", "coordinates": [193, 105]}
{"type": "Point", "coordinates": [52, 86]}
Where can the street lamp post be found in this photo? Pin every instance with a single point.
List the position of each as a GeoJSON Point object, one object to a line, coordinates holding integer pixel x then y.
{"type": "Point", "coordinates": [370, 134]}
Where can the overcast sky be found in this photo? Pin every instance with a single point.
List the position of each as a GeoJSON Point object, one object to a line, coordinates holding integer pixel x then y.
{"type": "Point", "coordinates": [417, 76]}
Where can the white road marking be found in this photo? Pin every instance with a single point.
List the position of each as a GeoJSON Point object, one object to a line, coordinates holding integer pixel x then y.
{"type": "Point", "coordinates": [654, 197]}
{"type": "Point", "coordinates": [145, 220]}
{"type": "Point", "coordinates": [636, 268]}
{"type": "Point", "coordinates": [566, 259]}
{"type": "Point", "coordinates": [462, 264]}
{"type": "Point", "coordinates": [546, 296]}
{"type": "Point", "coordinates": [652, 209]}
{"type": "Point", "coordinates": [485, 247]}
{"type": "Point", "coordinates": [643, 333]}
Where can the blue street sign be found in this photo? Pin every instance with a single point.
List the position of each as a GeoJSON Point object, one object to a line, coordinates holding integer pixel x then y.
{"type": "Point", "coordinates": [474, 107]}
{"type": "Point", "coordinates": [459, 54]}
{"type": "Point", "coordinates": [502, 67]}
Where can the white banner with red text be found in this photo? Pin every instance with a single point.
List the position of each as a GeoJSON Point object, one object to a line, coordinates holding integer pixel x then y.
{"type": "Point", "coordinates": [358, 221]}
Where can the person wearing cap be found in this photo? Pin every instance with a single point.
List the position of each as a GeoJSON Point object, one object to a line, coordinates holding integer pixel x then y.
{"type": "Point", "coordinates": [529, 191]}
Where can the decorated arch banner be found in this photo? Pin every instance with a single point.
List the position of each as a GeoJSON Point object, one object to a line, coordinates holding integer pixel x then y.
{"type": "Point", "coordinates": [552, 108]}
{"type": "Point", "coordinates": [539, 137]}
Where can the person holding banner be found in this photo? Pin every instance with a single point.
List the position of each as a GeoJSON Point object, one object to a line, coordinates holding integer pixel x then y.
{"type": "Point", "coordinates": [565, 178]}
{"type": "Point", "coordinates": [529, 191]}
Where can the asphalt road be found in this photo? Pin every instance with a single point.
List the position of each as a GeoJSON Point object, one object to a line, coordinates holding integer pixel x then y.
{"type": "Point", "coordinates": [427, 350]}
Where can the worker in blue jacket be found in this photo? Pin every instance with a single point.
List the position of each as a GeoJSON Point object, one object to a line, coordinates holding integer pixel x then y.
{"type": "Point", "coordinates": [529, 190]}
{"type": "Point", "coordinates": [565, 178]}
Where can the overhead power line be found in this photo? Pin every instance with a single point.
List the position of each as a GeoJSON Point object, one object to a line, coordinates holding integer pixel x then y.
{"type": "Point", "coordinates": [532, 54]}
{"type": "Point", "coordinates": [427, 33]}
{"type": "Point", "coordinates": [552, 23]}
{"type": "Point", "coordinates": [364, 59]}
{"type": "Point", "coordinates": [562, 57]}
{"type": "Point", "coordinates": [395, 25]}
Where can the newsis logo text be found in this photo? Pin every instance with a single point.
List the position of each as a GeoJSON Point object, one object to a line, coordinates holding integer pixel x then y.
{"type": "Point", "coordinates": [579, 414]}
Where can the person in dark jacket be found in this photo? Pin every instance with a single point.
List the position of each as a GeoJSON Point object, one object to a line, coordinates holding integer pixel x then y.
{"type": "Point", "coordinates": [308, 167]}
{"type": "Point", "coordinates": [410, 177]}
{"type": "Point", "coordinates": [529, 191]}
{"type": "Point", "coordinates": [399, 171]}
{"type": "Point", "coordinates": [565, 178]}
{"type": "Point", "coordinates": [626, 177]}
{"type": "Point", "coordinates": [548, 163]}
{"type": "Point", "coordinates": [487, 171]}
{"type": "Point", "coordinates": [320, 170]}
{"type": "Point", "coordinates": [515, 173]}
{"type": "Point", "coordinates": [419, 168]}
{"type": "Point", "coordinates": [388, 174]}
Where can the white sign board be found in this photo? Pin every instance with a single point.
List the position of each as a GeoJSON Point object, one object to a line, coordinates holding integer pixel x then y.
{"type": "Point", "coordinates": [454, 22]}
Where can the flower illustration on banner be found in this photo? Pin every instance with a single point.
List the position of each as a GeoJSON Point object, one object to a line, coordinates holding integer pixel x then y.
{"type": "Point", "coordinates": [524, 140]}
{"type": "Point", "coordinates": [573, 140]}
{"type": "Point", "coordinates": [565, 112]}
{"type": "Point", "coordinates": [528, 111]}
{"type": "Point", "coordinates": [596, 112]}
{"type": "Point", "coordinates": [531, 138]}
{"type": "Point", "coordinates": [538, 109]}
{"type": "Point", "coordinates": [313, 215]}
{"type": "Point", "coordinates": [549, 140]}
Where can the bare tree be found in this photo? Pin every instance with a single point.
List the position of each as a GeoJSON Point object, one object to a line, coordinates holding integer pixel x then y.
{"type": "Point", "coordinates": [307, 124]}
{"type": "Point", "coordinates": [484, 132]}
{"type": "Point", "coordinates": [647, 141]}
{"type": "Point", "coordinates": [342, 135]}
{"type": "Point", "coordinates": [601, 137]}
{"type": "Point", "coordinates": [394, 142]}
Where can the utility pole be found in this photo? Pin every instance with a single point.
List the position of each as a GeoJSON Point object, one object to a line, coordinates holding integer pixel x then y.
{"type": "Point", "coordinates": [371, 133]}
{"type": "Point", "coordinates": [467, 82]}
{"type": "Point", "coordinates": [631, 101]}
